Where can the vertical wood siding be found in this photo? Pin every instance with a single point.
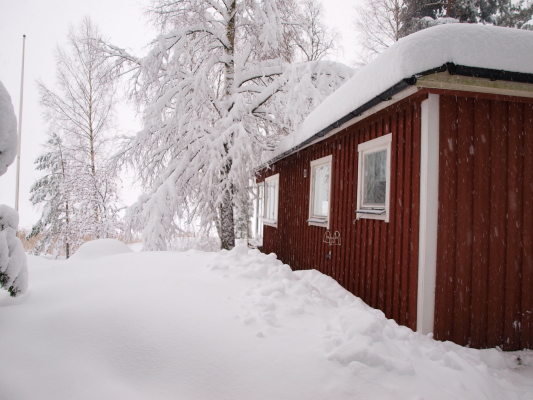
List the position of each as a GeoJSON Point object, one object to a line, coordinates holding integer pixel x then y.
{"type": "Point", "coordinates": [376, 261]}
{"type": "Point", "coordinates": [484, 295]}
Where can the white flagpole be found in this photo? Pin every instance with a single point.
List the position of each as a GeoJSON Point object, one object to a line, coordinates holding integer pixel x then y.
{"type": "Point", "coordinates": [20, 122]}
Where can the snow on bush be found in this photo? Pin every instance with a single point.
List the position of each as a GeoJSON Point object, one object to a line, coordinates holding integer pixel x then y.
{"type": "Point", "coordinates": [13, 263]}
{"type": "Point", "coordinates": [8, 131]}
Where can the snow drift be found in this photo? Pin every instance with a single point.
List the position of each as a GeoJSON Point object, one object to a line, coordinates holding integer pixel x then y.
{"type": "Point", "coordinates": [228, 325]}
{"type": "Point", "coordinates": [100, 248]}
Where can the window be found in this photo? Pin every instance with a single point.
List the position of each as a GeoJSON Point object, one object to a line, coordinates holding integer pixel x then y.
{"type": "Point", "coordinates": [373, 183]}
{"type": "Point", "coordinates": [259, 209]}
{"type": "Point", "coordinates": [270, 216]}
{"type": "Point", "coordinates": [320, 192]}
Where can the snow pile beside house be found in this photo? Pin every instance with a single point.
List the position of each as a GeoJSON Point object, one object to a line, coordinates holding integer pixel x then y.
{"type": "Point", "coordinates": [8, 131]}
{"type": "Point", "coordinates": [470, 45]}
{"type": "Point", "coordinates": [13, 263]}
{"type": "Point", "coordinates": [228, 325]}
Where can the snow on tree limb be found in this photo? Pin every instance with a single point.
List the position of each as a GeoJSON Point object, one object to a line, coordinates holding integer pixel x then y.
{"type": "Point", "coordinates": [214, 93]}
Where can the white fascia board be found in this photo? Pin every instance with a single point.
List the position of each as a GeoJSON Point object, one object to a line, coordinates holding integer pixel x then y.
{"type": "Point", "coordinates": [429, 207]}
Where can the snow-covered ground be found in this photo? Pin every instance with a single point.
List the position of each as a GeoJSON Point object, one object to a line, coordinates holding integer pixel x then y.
{"type": "Point", "coordinates": [115, 324]}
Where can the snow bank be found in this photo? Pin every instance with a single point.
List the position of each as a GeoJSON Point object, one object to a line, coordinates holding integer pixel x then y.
{"type": "Point", "coordinates": [100, 248]}
{"type": "Point", "coordinates": [471, 45]}
{"type": "Point", "coordinates": [230, 325]}
{"type": "Point", "coordinates": [13, 263]}
{"type": "Point", "coordinates": [8, 131]}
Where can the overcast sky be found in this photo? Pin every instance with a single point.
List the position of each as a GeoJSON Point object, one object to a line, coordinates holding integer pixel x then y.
{"type": "Point", "coordinates": [45, 23]}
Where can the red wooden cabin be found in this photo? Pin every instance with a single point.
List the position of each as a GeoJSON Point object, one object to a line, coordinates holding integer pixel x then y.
{"type": "Point", "coordinates": [412, 186]}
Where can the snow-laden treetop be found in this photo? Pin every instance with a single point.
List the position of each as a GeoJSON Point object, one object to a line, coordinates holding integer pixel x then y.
{"type": "Point", "coordinates": [470, 45]}
{"type": "Point", "coordinates": [8, 131]}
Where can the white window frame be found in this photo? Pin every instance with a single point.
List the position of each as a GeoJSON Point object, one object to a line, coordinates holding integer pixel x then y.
{"type": "Point", "coordinates": [371, 211]}
{"type": "Point", "coordinates": [259, 209]}
{"type": "Point", "coordinates": [267, 221]}
{"type": "Point", "coordinates": [314, 219]}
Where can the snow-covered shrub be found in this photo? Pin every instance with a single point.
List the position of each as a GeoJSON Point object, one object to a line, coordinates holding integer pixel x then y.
{"type": "Point", "coordinates": [13, 263]}
{"type": "Point", "coordinates": [8, 131]}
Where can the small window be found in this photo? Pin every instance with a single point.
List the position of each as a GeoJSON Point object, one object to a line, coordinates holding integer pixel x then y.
{"type": "Point", "coordinates": [270, 215]}
{"type": "Point", "coordinates": [373, 184]}
{"type": "Point", "coordinates": [259, 210]}
{"type": "Point", "coordinates": [319, 198]}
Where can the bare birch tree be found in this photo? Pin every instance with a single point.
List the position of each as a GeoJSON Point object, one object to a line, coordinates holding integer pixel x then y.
{"type": "Point", "coordinates": [80, 114]}
{"type": "Point", "coordinates": [379, 25]}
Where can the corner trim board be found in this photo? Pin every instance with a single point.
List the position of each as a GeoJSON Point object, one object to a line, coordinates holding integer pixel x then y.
{"type": "Point", "coordinates": [429, 207]}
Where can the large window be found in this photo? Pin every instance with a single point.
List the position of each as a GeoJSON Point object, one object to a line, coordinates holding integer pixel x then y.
{"type": "Point", "coordinates": [270, 216]}
{"type": "Point", "coordinates": [373, 184]}
{"type": "Point", "coordinates": [319, 198]}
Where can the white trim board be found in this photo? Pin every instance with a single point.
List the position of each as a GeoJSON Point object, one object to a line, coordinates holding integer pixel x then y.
{"type": "Point", "coordinates": [429, 207]}
{"type": "Point", "coordinates": [444, 80]}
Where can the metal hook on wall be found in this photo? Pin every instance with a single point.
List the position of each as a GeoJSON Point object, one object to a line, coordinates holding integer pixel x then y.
{"type": "Point", "coordinates": [334, 240]}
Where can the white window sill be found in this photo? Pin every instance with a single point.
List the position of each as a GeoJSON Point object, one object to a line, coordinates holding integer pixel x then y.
{"type": "Point", "coordinates": [318, 222]}
{"type": "Point", "coordinates": [378, 214]}
{"type": "Point", "coordinates": [270, 222]}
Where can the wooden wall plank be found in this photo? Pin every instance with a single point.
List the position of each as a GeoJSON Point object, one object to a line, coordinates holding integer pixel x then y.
{"type": "Point", "coordinates": [444, 291]}
{"type": "Point", "coordinates": [400, 152]}
{"type": "Point", "coordinates": [465, 213]}
{"type": "Point", "coordinates": [527, 244]}
{"type": "Point", "coordinates": [498, 196]}
{"type": "Point", "coordinates": [481, 210]}
{"type": "Point", "coordinates": [513, 264]}
{"type": "Point", "coordinates": [407, 203]}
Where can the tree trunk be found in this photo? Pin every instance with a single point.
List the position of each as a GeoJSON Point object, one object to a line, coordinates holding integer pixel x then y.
{"type": "Point", "coordinates": [227, 224]}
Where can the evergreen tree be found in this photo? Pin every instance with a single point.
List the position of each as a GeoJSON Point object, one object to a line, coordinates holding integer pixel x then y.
{"type": "Point", "coordinates": [53, 191]}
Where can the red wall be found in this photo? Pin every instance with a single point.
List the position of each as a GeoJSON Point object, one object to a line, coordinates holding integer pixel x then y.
{"type": "Point", "coordinates": [376, 261]}
{"type": "Point", "coordinates": [484, 293]}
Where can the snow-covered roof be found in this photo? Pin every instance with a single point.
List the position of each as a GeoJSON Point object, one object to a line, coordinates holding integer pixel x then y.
{"type": "Point", "coordinates": [479, 46]}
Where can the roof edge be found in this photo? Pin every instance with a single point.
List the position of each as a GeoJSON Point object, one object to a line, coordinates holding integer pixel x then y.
{"type": "Point", "coordinates": [453, 69]}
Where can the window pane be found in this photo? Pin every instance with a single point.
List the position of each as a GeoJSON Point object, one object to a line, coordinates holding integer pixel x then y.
{"type": "Point", "coordinates": [375, 176]}
{"type": "Point", "coordinates": [321, 176]}
{"type": "Point", "coordinates": [271, 199]}
{"type": "Point", "coordinates": [261, 195]}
